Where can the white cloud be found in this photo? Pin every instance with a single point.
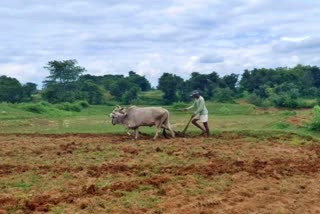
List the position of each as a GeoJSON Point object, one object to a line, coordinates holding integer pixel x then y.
{"type": "Point", "coordinates": [23, 72]}
{"type": "Point", "coordinates": [153, 37]}
{"type": "Point", "coordinates": [294, 39]}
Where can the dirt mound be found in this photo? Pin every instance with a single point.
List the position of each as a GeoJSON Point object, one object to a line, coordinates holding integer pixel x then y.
{"type": "Point", "coordinates": [97, 171]}
{"type": "Point", "coordinates": [7, 201]}
{"type": "Point", "coordinates": [6, 169]}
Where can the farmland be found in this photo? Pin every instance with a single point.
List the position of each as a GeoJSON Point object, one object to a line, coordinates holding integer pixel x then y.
{"type": "Point", "coordinates": [256, 161]}
{"type": "Point", "coordinates": [98, 173]}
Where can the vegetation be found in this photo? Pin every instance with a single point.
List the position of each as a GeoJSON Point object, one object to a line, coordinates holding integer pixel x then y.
{"type": "Point", "coordinates": [78, 117]}
{"type": "Point", "coordinates": [315, 125]}
{"type": "Point", "coordinates": [297, 87]}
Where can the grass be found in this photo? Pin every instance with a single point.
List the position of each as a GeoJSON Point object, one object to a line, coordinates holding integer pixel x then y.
{"type": "Point", "coordinates": [17, 118]}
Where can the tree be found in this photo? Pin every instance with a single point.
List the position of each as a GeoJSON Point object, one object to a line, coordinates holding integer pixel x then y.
{"type": "Point", "coordinates": [63, 72]}
{"type": "Point", "coordinates": [140, 81]}
{"type": "Point", "coordinates": [61, 85]}
{"type": "Point", "coordinates": [223, 95]}
{"type": "Point", "coordinates": [10, 90]}
{"type": "Point", "coordinates": [205, 83]}
{"type": "Point", "coordinates": [230, 81]}
{"type": "Point", "coordinates": [118, 88]}
{"type": "Point", "coordinates": [28, 90]}
{"type": "Point", "coordinates": [130, 95]}
{"type": "Point", "coordinates": [93, 93]}
{"type": "Point", "coordinates": [169, 83]}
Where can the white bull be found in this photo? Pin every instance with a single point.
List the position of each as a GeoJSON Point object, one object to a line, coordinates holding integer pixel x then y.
{"type": "Point", "coordinates": [134, 117]}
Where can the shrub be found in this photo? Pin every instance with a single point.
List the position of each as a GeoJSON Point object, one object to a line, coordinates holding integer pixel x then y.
{"type": "Point", "coordinates": [38, 108]}
{"type": "Point", "coordinates": [255, 100]}
{"type": "Point", "coordinates": [224, 110]}
{"type": "Point", "coordinates": [83, 104]}
{"type": "Point", "coordinates": [315, 124]}
{"type": "Point", "coordinates": [69, 107]}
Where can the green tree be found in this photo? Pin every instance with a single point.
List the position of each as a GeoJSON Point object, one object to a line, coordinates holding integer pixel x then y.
{"type": "Point", "coordinates": [10, 90]}
{"type": "Point", "coordinates": [205, 83]}
{"type": "Point", "coordinates": [140, 81]}
{"type": "Point", "coordinates": [130, 95]}
{"type": "Point", "coordinates": [118, 88]}
{"type": "Point", "coordinates": [92, 92]}
{"type": "Point", "coordinates": [169, 83]}
{"type": "Point", "coordinates": [230, 81]}
{"type": "Point", "coordinates": [223, 95]}
{"type": "Point", "coordinates": [61, 85]}
{"type": "Point", "coordinates": [28, 90]}
{"type": "Point", "coordinates": [63, 72]}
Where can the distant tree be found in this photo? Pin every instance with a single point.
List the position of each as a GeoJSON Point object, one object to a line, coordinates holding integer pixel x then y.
{"type": "Point", "coordinates": [184, 91]}
{"type": "Point", "coordinates": [118, 88]}
{"type": "Point", "coordinates": [28, 90]}
{"type": "Point", "coordinates": [169, 83]}
{"type": "Point", "coordinates": [315, 73]}
{"type": "Point", "coordinates": [63, 72]}
{"type": "Point", "coordinates": [130, 95]}
{"type": "Point", "coordinates": [92, 92]}
{"type": "Point", "coordinates": [140, 81]}
{"type": "Point", "coordinates": [230, 81]}
{"type": "Point", "coordinates": [205, 83]}
{"type": "Point", "coordinates": [10, 90]}
{"type": "Point", "coordinates": [61, 85]}
{"type": "Point", "coordinates": [54, 93]}
{"type": "Point", "coordinates": [223, 95]}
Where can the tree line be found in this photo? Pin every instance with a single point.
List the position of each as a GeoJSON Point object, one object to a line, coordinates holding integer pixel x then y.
{"type": "Point", "coordinates": [66, 82]}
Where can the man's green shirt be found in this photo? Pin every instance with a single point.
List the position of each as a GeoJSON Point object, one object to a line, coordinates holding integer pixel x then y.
{"type": "Point", "coordinates": [201, 106]}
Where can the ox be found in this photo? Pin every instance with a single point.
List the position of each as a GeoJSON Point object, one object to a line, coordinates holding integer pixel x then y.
{"type": "Point", "coordinates": [134, 117]}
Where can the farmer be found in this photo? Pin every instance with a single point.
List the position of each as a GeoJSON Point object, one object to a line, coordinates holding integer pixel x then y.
{"type": "Point", "coordinates": [200, 114]}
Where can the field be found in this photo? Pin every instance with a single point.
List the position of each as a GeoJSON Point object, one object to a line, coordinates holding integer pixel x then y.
{"type": "Point", "coordinates": [92, 173]}
{"type": "Point", "coordinates": [256, 161]}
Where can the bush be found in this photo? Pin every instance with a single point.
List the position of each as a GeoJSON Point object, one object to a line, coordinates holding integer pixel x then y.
{"type": "Point", "coordinates": [224, 110]}
{"type": "Point", "coordinates": [83, 104]}
{"type": "Point", "coordinates": [285, 101]}
{"type": "Point", "coordinates": [69, 107]}
{"type": "Point", "coordinates": [37, 108]}
{"type": "Point", "coordinates": [315, 124]}
{"type": "Point", "coordinates": [255, 100]}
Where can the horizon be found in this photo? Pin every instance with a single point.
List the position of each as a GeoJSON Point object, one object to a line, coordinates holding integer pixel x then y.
{"type": "Point", "coordinates": [151, 38]}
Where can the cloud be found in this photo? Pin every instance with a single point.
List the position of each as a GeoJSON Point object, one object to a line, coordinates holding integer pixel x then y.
{"type": "Point", "coordinates": [153, 37]}
{"type": "Point", "coordinates": [298, 44]}
{"type": "Point", "coordinates": [23, 72]}
{"type": "Point", "coordinates": [210, 58]}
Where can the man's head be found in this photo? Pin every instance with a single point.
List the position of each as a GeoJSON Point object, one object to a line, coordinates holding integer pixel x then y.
{"type": "Point", "coordinates": [195, 94]}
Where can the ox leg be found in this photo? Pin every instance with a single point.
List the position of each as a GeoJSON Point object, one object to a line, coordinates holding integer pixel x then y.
{"type": "Point", "coordinates": [136, 133]}
{"type": "Point", "coordinates": [128, 132]}
{"type": "Point", "coordinates": [158, 129]}
{"type": "Point", "coordinates": [167, 125]}
{"type": "Point", "coordinates": [171, 130]}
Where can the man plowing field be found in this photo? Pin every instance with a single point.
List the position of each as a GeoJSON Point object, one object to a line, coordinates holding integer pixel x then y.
{"type": "Point", "coordinates": [200, 114]}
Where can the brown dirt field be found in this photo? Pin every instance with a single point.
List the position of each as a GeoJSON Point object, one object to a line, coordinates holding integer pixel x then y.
{"type": "Point", "coordinates": [88, 173]}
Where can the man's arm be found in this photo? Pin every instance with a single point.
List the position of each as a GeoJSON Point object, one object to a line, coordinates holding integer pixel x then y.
{"type": "Point", "coordinates": [190, 107]}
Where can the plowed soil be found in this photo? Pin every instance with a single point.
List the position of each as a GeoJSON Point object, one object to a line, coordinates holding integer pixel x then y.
{"type": "Point", "coordinates": [227, 173]}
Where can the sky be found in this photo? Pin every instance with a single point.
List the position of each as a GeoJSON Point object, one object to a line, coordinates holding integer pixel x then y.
{"type": "Point", "coordinates": [151, 37]}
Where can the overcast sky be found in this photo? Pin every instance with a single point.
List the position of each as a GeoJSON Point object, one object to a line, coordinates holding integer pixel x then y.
{"type": "Point", "coordinates": [156, 36]}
